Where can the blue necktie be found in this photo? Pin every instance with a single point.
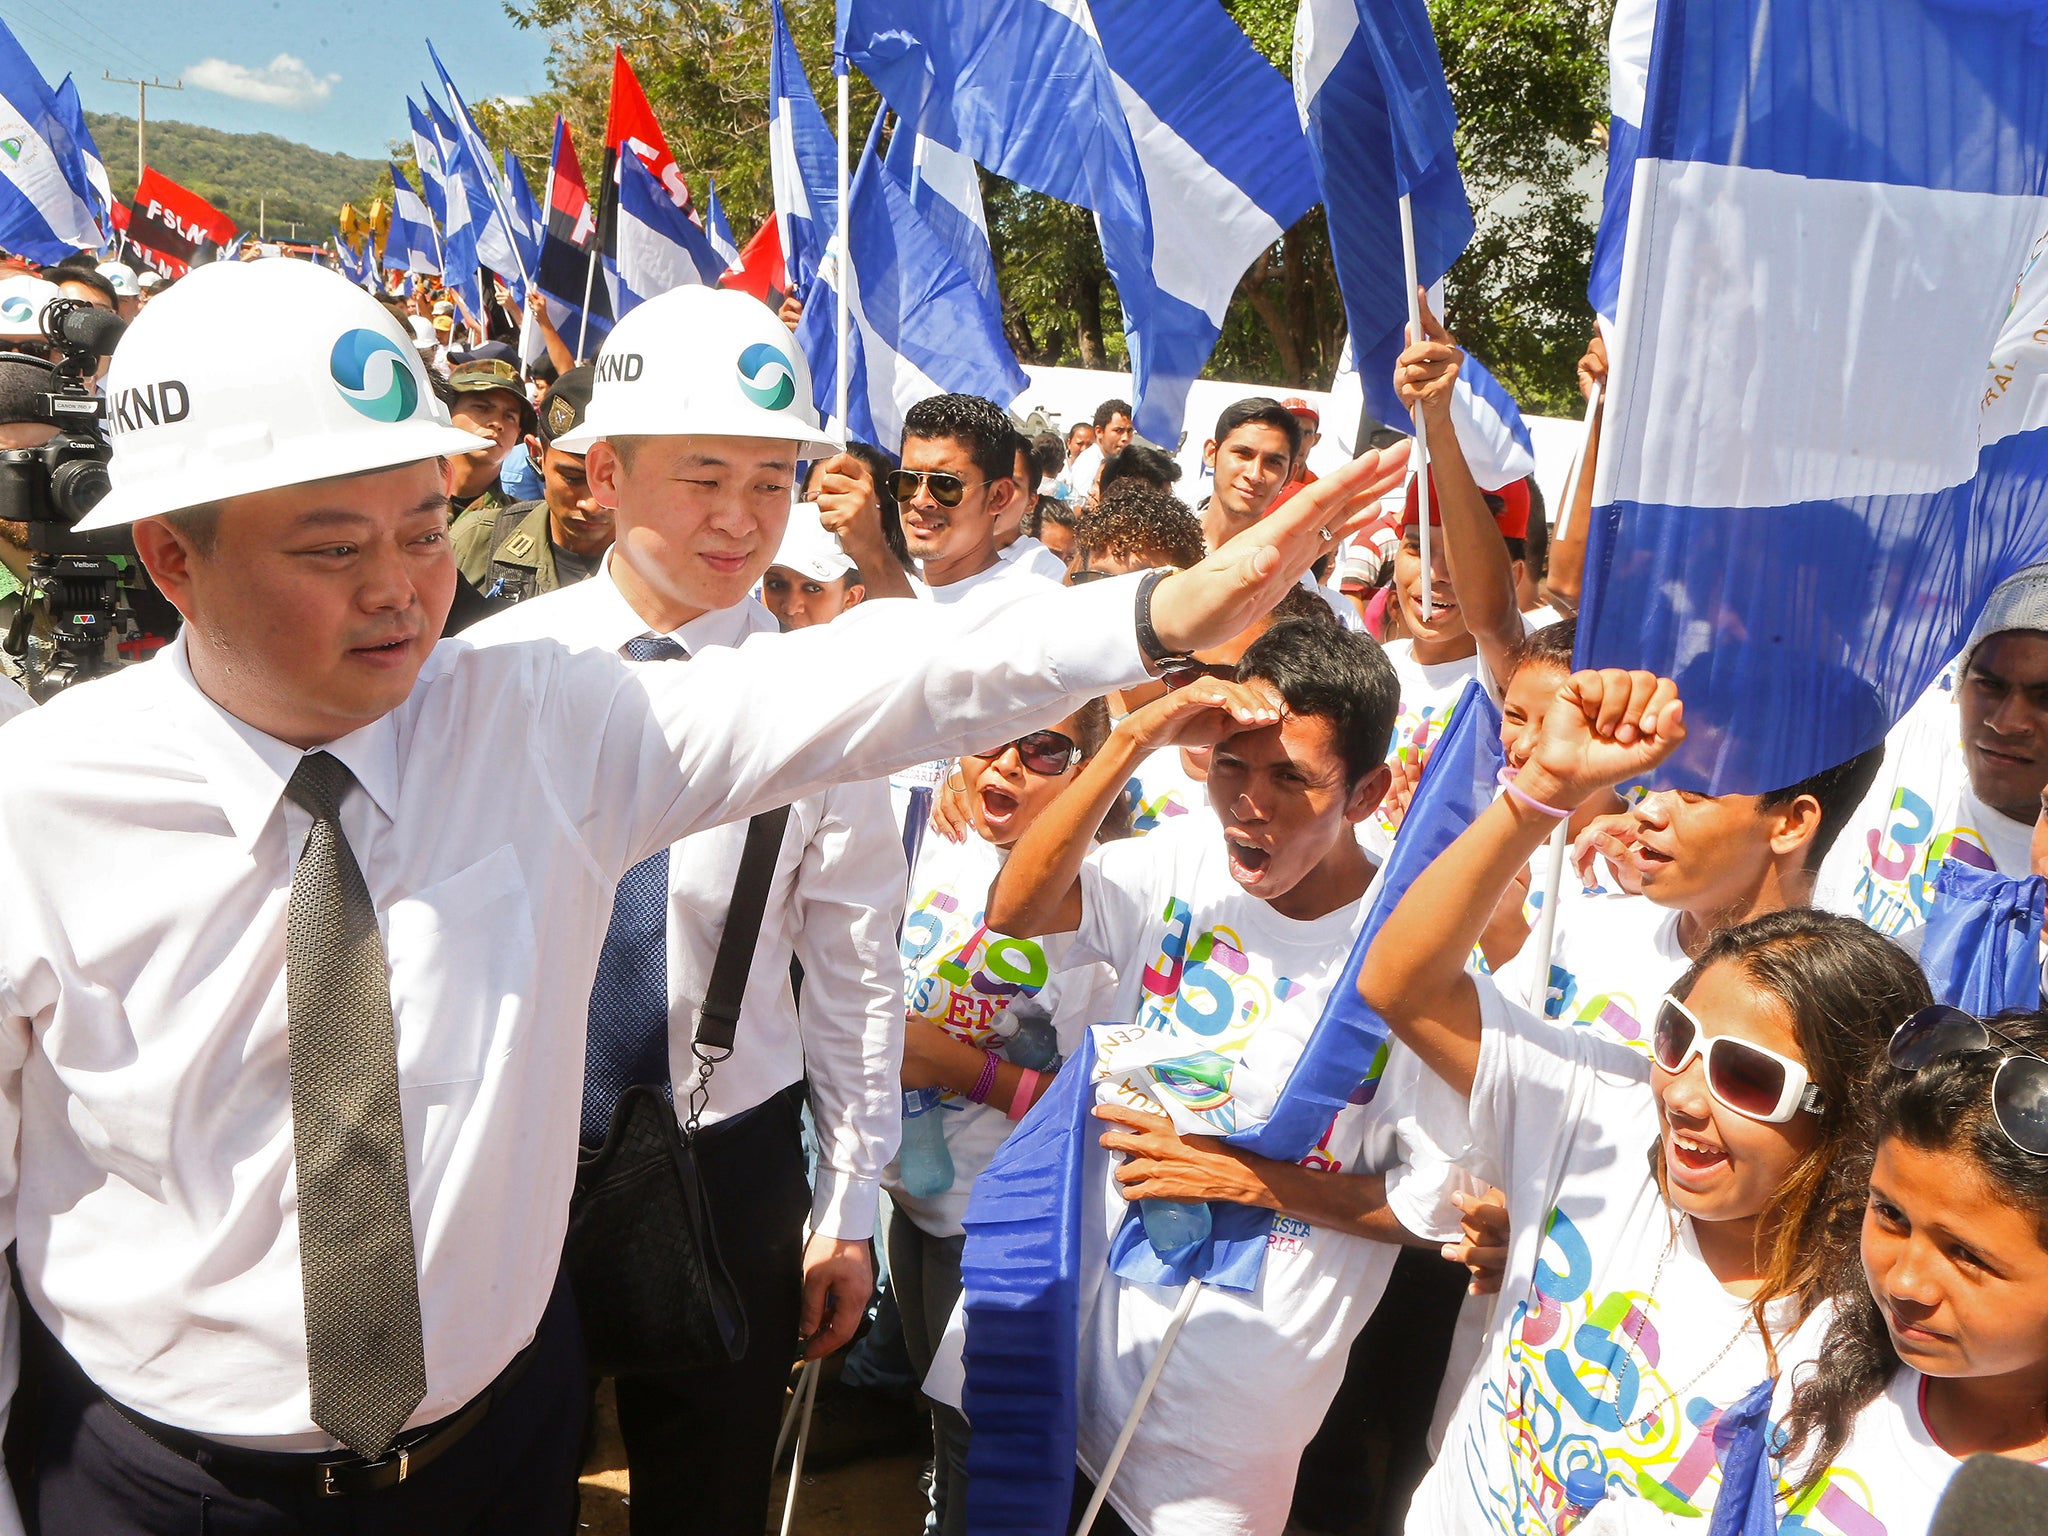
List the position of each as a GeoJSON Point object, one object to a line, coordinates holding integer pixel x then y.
{"type": "Point", "coordinates": [628, 1041]}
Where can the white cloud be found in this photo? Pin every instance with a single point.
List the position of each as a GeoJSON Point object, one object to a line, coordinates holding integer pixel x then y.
{"type": "Point", "coordinates": [284, 82]}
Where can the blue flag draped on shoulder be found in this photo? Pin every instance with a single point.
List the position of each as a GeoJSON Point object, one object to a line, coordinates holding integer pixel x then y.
{"type": "Point", "coordinates": [803, 161]}
{"type": "Point", "coordinates": [1021, 1269]}
{"type": "Point", "coordinates": [921, 326]}
{"type": "Point", "coordinates": [1801, 535]}
{"type": "Point", "coordinates": [1982, 947]}
{"type": "Point", "coordinates": [46, 199]}
{"type": "Point", "coordinates": [1380, 124]}
{"type": "Point", "coordinates": [411, 245]}
{"type": "Point", "coordinates": [659, 247]}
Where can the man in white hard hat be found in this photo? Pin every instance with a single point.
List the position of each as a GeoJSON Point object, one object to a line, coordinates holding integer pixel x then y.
{"type": "Point", "coordinates": [700, 1442]}
{"type": "Point", "coordinates": [22, 302]}
{"type": "Point", "coordinates": [127, 291]}
{"type": "Point", "coordinates": [289, 1122]}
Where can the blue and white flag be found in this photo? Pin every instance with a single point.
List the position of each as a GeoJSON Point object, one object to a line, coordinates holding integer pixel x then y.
{"type": "Point", "coordinates": [91, 169]}
{"type": "Point", "coordinates": [1225, 171]}
{"type": "Point", "coordinates": [528, 222]}
{"type": "Point", "coordinates": [659, 246]}
{"type": "Point", "coordinates": [945, 189]}
{"type": "Point", "coordinates": [1158, 115]}
{"type": "Point", "coordinates": [498, 245]}
{"type": "Point", "coordinates": [716, 229]}
{"type": "Point", "coordinates": [920, 324]}
{"type": "Point", "coordinates": [1491, 433]}
{"type": "Point", "coordinates": [1628, 73]}
{"type": "Point", "coordinates": [426, 151]}
{"type": "Point", "coordinates": [1828, 432]}
{"type": "Point", "coordinates": [461, 220]}
{"type": "Point", "coordinates": [410, 245]}
{"type": "Point", "coordinates": [46, 199]}
{"type": "Point", "coordinates": [1371, 89]}
{"type": "Point", "coordinates": [803, 161]}
{"type": "Point", "coordinates": [358, 266]}
{"type": "Point", "coordinates": [1021, 1269]}
{"type": "Point", "coordinates": [1982, 946]}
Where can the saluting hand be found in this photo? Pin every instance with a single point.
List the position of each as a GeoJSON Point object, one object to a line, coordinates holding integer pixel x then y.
{"type": "Point", "coordinates": [1201, 714]}
{"type": "Point", "coordinates": [1223, 595]}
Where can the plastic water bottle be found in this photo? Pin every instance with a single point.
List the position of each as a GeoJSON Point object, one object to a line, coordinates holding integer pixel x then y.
{"type": "Point", "coordinates": [1035, 1046]}
{"type": "Point", "coordinates": [1173, 1225]}
{"type": "Point", "coordinates": [923, 1162]}
{"type": "Point", "coordinates": [1583, 1491]}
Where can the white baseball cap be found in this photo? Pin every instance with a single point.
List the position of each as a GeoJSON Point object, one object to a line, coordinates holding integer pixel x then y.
{"type": "Point", "coordinates": [22, 302]}
{"type": "Point", "coordinates": [702, 362]}
{"type": "Point", "coordinates": [809, 549]}
{"type": "Point", "coordinates": [201, 405]}
{"type": "Point", "coordinates": [122, 276]}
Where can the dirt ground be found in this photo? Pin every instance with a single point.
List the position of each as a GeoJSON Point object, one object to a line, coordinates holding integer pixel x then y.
{"type": "Point", "coordinates": [869, 1498]}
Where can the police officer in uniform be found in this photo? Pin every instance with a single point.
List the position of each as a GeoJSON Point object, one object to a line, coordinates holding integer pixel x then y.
{"type": "Point", "coordinates": [512, 553]}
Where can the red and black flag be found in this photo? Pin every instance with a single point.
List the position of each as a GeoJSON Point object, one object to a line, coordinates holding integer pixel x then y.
{"type": "Point", "coordinates": [178, 226]}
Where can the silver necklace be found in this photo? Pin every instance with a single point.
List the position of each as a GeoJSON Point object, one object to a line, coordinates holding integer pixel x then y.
{"type": "Point", "coordinates": [1635, 1342]}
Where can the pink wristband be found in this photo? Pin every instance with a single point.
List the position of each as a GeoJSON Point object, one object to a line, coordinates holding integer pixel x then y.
{"type": "Point", "coordinates": [1507, 782]}
{"type": "Point", "coordinates": [978, 1094]}
{"type": "Point", "coordinates": [1027, 1089]}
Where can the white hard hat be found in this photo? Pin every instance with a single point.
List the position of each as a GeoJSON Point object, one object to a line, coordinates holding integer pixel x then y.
{"type": "Point", "coordinates": [248, 378]}
{"type": "Point", "coordinates": [702, 362]}
{"type": "Point", "coordinates": [809, 549]}
{"type": "Point", "coordinates": [122, 276]}
{"type": "Point", "coordinates": [423, 335]}
{"type": "Point", "coordinates": [150, 279]}
{"type": "Point", "coordinates": [22, 301]}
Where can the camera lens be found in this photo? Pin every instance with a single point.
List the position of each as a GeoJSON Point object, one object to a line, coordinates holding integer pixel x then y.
{"type": "Point", "coordinates": [77, 486]}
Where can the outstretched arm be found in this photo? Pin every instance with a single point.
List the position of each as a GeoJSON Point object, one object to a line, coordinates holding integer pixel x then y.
{"type": "Point", "coordinates": [1604, 729]}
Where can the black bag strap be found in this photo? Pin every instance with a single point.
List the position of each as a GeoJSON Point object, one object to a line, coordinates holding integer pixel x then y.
{"type": "Point", "coordinates": [718, 1019]}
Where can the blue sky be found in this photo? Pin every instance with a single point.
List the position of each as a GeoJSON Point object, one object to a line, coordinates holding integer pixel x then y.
{"type": "Point", "coordinates": [330, 73]}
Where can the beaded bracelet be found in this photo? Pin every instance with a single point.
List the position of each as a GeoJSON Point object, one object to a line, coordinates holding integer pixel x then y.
{"type": "Point", "coordinates": [987, 1080]}
{"type": "Point", "coordinates": [1506, 781]}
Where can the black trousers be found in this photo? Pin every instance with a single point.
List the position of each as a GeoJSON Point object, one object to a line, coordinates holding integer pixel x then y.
{"type": "Point", "coordinates": [700, 1444]}
{"type": "Point", "coordinates": [514, 1474]}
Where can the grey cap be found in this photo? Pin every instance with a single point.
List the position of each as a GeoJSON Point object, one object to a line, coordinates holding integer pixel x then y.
{"type": "Point", "coordinates": [2018, 602]}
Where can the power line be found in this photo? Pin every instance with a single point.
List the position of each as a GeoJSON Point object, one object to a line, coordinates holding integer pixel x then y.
{"type": "Point", "coordinates": [120, 45]}
{"type": "Point", "coordinates": [72, 39]}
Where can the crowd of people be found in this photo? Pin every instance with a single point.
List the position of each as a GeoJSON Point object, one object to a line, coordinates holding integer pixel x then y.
{"type": "Point", "coordinates": [604, 867]}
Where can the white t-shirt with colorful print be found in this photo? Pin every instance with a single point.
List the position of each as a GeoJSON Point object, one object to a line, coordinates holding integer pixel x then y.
{"type": "Point", "coordinates": [1429, 696]}
{"type": "Point", "coordinates": [1221, 992]}
{"type": "Point", "coordinates": [1612, 960]}
{"type": "Point", "coordinates": [977, 985]}
{"type": "Point", "coordinates": [1162, 792]}
{"type": "Point", "coordinates": [1920, 811]}
{"type": "Point", "coordinates": [1613, 1346]}
{"type": "Point", "coordinates": [1888, 1477]}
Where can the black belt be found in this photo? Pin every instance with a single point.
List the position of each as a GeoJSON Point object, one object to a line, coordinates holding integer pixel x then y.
{"type": "Point", "coordinates": [333, 1476]}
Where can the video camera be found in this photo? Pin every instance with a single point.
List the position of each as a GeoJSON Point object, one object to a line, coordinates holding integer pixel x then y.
{"type": "Point", "coordinates": [86, 592]}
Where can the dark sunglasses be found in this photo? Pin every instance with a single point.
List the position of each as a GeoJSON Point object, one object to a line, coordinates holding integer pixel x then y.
{"type": "Point", "coordinates": [1179, 674]}
{"type": "Point", "coordinates": [2019, 1090]}
{"type": "Point", "coordinates": [1755, 1083]}
{"type": "Point", "coordinates": [946, 487]}
{"type": "Point", "coordinates": [1082, 577]}
{"type": "Point", "coordinates": [1046, 753]}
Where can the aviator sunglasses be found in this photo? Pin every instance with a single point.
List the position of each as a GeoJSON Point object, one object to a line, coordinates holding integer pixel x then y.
{"type": "Point", "coordinates": [1045, 753]}
{"type": "Point", "coordinates": [2019, 1090]}
{"type": "Point", "coordinates": [946, 487]}
{"type": "Point", "coordinates": [1756, 1083]}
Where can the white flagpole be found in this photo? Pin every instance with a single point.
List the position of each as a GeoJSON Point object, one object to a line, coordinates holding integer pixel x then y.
{"type": "Point", "coordinates": [1145, 1388]}
{"type": "Point", "coordinates": [807, 1396]}
{"type": "Point", "coordinates": [547, 203]}
{"type": "Point", "coordinates": [589, 276]}
{"type": "Point", "coordinates": [1421, 436]}
{"type": "Point", "coordinates": [1545, 935]}
{"type": "Point", "coordinates": [841, 68]}
{"type": "Point", "coordinates": [1571, 499]}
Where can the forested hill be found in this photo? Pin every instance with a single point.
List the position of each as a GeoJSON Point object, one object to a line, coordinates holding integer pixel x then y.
{"type": "Point", "coordinates": [234, 170]}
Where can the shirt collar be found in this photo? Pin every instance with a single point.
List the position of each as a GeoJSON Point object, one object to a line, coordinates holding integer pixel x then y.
{"type": "Point", "coordinates": [249, 768]}
{"type": "Point", "coordinates": [612, 621]}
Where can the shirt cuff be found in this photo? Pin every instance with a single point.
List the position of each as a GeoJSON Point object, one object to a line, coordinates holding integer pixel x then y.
{"type": "Point", "coordinates": [844, 1206]}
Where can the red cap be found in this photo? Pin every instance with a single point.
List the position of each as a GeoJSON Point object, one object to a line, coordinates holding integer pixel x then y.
{"type": "Point", "coordinates": [1303, 409]}
{"type": "Point", "coordinates": [1512, 519]}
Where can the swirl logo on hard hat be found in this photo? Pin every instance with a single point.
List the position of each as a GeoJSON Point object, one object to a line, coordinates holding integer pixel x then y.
{"type": "Point", "coordinates": [17, 309]}
{"type": "Point", "coordinates": [369, 370]}
{"type": "Point", "coordinates": [767, 376]}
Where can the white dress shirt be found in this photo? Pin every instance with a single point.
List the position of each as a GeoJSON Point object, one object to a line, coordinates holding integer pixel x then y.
{"type": "Point", "coordinates": [146, 849]}
{"type": "Point", "coordinates": [835, 903]}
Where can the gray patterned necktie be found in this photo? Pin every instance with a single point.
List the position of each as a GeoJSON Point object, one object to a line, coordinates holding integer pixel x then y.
{"type": "Point", "coordinates": [365, 1355]}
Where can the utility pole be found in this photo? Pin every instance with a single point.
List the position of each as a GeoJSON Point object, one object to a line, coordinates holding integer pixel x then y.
{"type": "Point", "coordinates": [142, 90]}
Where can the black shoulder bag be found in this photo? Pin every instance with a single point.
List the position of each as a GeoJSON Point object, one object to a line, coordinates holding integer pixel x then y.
{"type": "Point", "coordinates": [643, 1260]}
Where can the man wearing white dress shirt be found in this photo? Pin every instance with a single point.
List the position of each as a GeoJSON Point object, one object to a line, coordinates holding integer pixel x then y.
{"type": "Point", "coordinates": [700, 1444]}
{"type": "Point", "coordinates": [291, 1025]}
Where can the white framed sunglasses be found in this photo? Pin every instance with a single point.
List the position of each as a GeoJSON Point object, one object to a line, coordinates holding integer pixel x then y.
{"type": "Point", "coordinates": [1756, 1083]}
